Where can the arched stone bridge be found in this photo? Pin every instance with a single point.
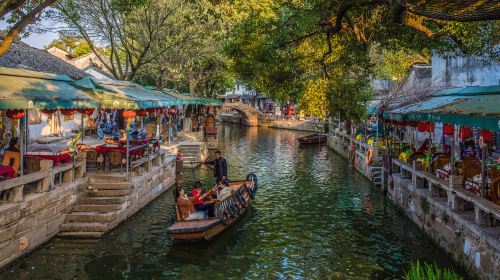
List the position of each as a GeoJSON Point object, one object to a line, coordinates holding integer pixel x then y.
{"type": "Point", "coordinates": [248, 114]}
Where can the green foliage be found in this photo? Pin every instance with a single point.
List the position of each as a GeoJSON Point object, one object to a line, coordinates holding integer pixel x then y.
{"type": "Point", "coordinates": [75, 46]}
{"type": "Point", "coordinates": [430, 272]}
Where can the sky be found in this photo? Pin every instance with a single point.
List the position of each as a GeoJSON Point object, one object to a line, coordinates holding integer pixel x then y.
{"type": "Point", "coordinates": [37, 40]}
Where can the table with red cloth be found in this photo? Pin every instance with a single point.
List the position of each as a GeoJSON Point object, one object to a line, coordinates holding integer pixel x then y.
{"type": "Point", "coordinates": [57, 158]}
{"type": "Point", "coordinates": [6, 171]}
{"type": "Point", "coordinates": [103, 149]}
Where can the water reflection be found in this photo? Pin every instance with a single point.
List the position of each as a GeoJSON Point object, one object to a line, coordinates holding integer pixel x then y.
{"type": "Point", "coordinates": [314, 218]}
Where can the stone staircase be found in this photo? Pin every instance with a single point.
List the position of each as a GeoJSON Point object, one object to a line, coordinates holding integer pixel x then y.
{"type": "Point", "coordinates": [192, 153]}
{"type": "Point", "coordinates": [94, 213]}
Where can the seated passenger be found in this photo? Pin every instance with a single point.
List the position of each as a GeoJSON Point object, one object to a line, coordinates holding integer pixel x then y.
{"type": "Point", "coordinates": [199, 202]}
{"type": "Point", "coordinates": [185, 204]}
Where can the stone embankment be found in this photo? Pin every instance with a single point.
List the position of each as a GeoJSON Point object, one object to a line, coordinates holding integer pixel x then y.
{"type": "Point", "coordinates": [68, 201]}
{"type": "Point", "coordinates": [457, 220]}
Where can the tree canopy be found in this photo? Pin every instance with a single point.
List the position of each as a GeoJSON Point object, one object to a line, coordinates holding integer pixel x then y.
{"type": "Point", "coordinates": [293, 50]}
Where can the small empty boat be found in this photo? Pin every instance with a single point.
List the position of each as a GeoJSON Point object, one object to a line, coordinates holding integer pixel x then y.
{"type": "Point", "coordinates": [232, 206]}
{"type": "Point", "coordinates": [313, 139]}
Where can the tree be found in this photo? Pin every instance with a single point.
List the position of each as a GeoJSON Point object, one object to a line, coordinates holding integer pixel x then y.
{"type": "Point", "coordinates": [75, 46]}
{"type": "Point", "coordinates": [134, 32]}
{"type": "Point", "coordinates": [280, 46]}
{"type": "Point", "coordinates": [20, 14]}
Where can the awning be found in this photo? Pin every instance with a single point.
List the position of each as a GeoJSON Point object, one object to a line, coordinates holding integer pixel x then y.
{"type": "Point", "coordinates": [182, 99]}
{"type": "Point", "coordinates": [24, 89]}
{"type": "Point", "coordinates": [124, 94]}
{"type": "Point", "coordinates": [469, 106]}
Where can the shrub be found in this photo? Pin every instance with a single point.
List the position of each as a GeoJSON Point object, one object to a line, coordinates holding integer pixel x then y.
{"type": "Point", "coordinates": [430, 272]}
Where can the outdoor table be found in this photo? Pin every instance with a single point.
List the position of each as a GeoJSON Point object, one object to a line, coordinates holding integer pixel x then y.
{"type": "Point", "coordinates": [57, 158]}
{"type": "Point", "coordinates": [442, 173]}
{"type": "Point", "coordinates": [103, 149]}
{"type": "Point", "coordinates": [6, 171]}
{"type": "Point", "coordinates": [475, 186]}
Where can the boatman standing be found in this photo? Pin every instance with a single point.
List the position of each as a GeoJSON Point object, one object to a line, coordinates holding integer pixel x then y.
{"type": "Point", "coordinates": [220, 167]}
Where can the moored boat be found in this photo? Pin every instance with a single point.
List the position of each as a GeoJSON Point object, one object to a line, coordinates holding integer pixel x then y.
{"type": "Point", "coordinates": [313, 139]}
{"type": "Point", "coordinates": [231, 208]}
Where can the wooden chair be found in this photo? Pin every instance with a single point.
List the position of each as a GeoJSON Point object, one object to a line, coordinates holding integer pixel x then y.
{"type": "Point", "coordinates": [32, 165]}
{"type": "Point", "coordinates": [115, 159]}
{"type": "Point", "coordinates": [92, 158]}
{"type": "Point", "coordinates": [13, 159]}
{"type": "Point", "coordinates": [471, 168]}
{"type": "Point", "coordinates": [495, 189]}
{"type": "Point", "coordinates": [440, 162]}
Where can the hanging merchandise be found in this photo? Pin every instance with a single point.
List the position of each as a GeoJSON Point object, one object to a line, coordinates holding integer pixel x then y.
{"type": "Point", "coordinates": [142, 113]}
{"type": "Point", "coordinates": [487, 136]}
{"type": "Point", "coordinates": [448, 129]}
{"type": "Point", "coordinates": [425, 127]}
{"type": "Point", "coordinates": [15, 115]}
{"type": "Point", "coordinates": [465, 132]}
{"type": "Point", "coordinates": [171, 111]}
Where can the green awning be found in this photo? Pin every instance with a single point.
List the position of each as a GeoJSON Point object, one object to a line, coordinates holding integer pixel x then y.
{"type": "Point", "coordinates": [24, 89]}
{"type": "Point", "coordinates": [182, 98]}
{"type": "Point", "coordinates": [469, 106]}
{"type": "Point", "coordinates": [125, 95]}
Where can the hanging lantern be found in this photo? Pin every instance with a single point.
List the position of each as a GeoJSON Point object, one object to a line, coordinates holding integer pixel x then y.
{"type": "Point", "coordinates": [171, 111]}
{"type": "Point", "coordinates": [48, 112]}
{"type": "Point", "coordinates": [89, 111]}
{"type": "Point", "coordinates": [142, 113]}
{"type": "Point", "coordinates": [487, 136]}
{"type": "Point", "coordinates": [15, 114]}
{"type": "Point", "coordinates": [425, 127]}
{"type": "Point", "coordinates": [448, 129]}
{"type": "Point", "coordinates": [129, 114]}
{"type": "Point", "coordinates": [465, 132]}
{"type": "Point", "coordinates": [68, 112]}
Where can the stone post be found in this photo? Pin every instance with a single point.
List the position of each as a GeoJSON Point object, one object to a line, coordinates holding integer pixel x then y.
{"type": "Point", "coordinates": [48, 182]}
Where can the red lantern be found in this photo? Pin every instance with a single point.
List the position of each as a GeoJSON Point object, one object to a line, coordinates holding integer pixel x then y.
{"type": "Point", "coordinates": [68, 112]}
{"type": "Point", "coordinates": [89, 111]}
{"type": "Point", "coordinates": [465, 132]}
{"type": "Point", "coordinates": [142, 113]}
{"type": "Point", "coordinates": [448, 129]}
{"type": "Point", "coordinates": [171, 111]}
{"type": "Point", "coordinates": [48, 111]}
{"type": "Point", "coordinates": [15, 114]}
{"type": "Point", "coordinates": [129, 114]}
{"type": "Point", "coordinates": [487, 136]}
{"type": "Point", "coordinates": [425, 127]}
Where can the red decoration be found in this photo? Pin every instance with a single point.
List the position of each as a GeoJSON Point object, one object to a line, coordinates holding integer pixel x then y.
{"type": "Point", "coordinates": [151, 110]}
{"type": "Point", "coordinates": [411, 123]}
{"type": "Point", "coordinates": [89, 111]}
{"type": "Point", "coordinates": [142, 113]}
{"type": "Point", "coordinates": [425, 127]}
{"type": "Point", "coordinates": [48, 111]}
{"type": "Point", "coordinates": [487, 136]}
{"type": "Point", "coordinates": [68, 112]}
{"type": "Point", "coordinates": [129, 114]}
{"type": "Point", "coordinates": [171, 111]}
{"type": "Point", "coordinates": [448, 129]}
{"type": "Point", "coordinates": [16, 114]}
{"type": "Point", "coordinates": [465, 132]}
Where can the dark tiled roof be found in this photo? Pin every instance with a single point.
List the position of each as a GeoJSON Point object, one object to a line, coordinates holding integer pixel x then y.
{"type": "Point", "coordinates": [23, 56]}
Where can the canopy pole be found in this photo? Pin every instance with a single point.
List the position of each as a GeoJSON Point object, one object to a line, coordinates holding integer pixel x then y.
{"type": "Point", "coordinates": [376, 139]}
{"type": "Point", "coordinates": [21, 143]}
{"type": "Point", "coordinates": [128, 149]}
{"type": "Point", "coordinates": [483, 170]}
{"type": "Point", "coordinates": [82, 132]}
{"type": "Point", "coordinates": [452, 156]}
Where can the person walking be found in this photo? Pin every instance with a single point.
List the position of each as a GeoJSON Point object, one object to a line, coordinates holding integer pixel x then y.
{"type": "Point", "coordinates": [220, 167]}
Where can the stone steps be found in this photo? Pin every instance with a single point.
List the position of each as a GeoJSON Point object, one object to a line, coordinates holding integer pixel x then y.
{"type": "Point", "coordinates": [85, 217]}
{"type": "Point", "coordinates": [103, 200]}
{"type": "Point", "coordinates": [107, 193]}
{"type": "Point", "coordinates": [110, 186]}
{"type": "Point", "coordinates": [97, 208]}
{"type": "Point", "coordinates": [81, 234]}
{"type": "Point", "coordinates": [111, 178]}
{"type": "Point", "coordinates": [84, 227]}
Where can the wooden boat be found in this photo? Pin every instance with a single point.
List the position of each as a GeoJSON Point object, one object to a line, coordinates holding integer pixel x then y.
{"type": "Point", "coordinates": [228, 211]}
{"type": "Point", "coordinates": [313, 139]}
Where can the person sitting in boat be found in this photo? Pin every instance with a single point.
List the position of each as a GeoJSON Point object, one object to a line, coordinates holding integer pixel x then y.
{"type": "Point", "coordinates": [199, 201]}
{"type": "Point", "coordinates": [220, 167]}
{"type": "Point", "coordinates": [185, 204]}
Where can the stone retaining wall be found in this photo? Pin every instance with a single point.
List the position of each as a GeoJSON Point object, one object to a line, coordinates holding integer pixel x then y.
{"type": "Point", "coordinates": [475, 247]}
{"type": "Point", "coordinates": [26, 225]}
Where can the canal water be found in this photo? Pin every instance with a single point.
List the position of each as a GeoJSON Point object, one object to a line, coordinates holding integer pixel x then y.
{"type": "Point", "coordinates": [313, 218]}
